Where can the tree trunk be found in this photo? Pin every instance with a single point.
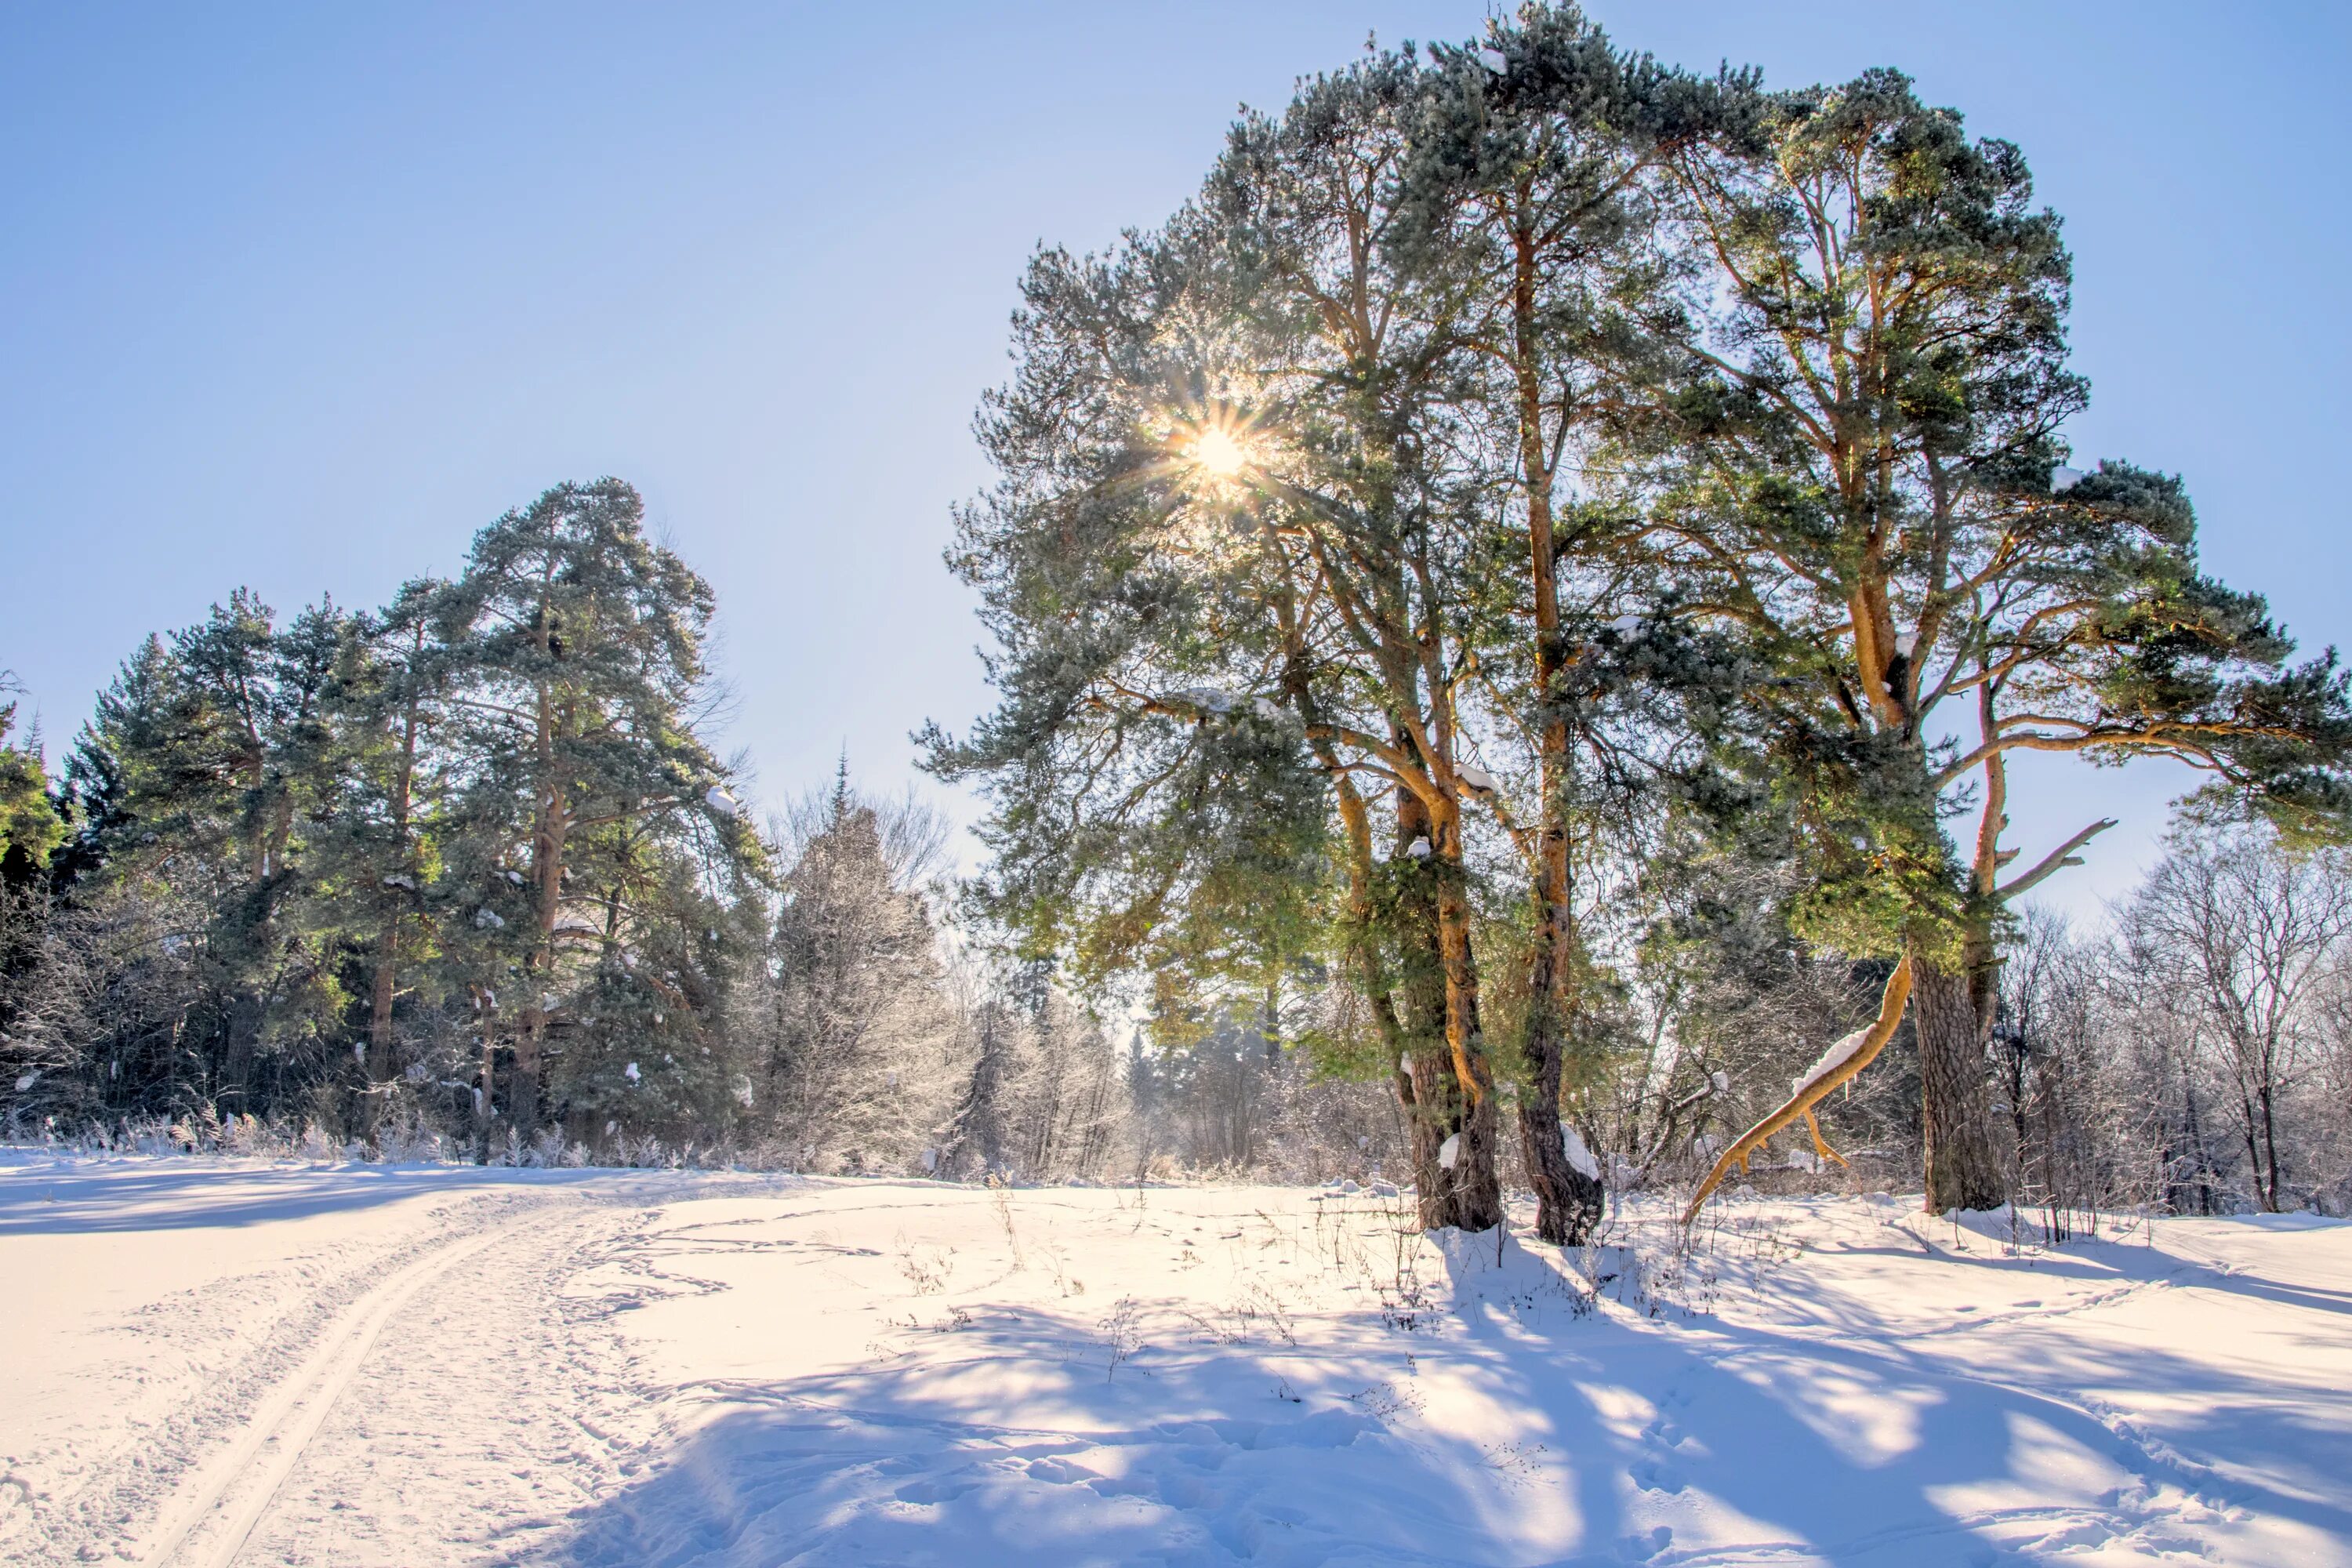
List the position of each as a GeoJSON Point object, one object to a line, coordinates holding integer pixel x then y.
{"type": "Point", "coordinates": [1964, 1168]}
{"type": "Point", "coordinates": [1475, 1190]}
{"type": "Point", "coordinates": [386, 986]}
{"type": "Point", "coordinates": [486, 1106]}
{"type": "Point", "coordinates": [378, 1068]}
{"type": "Point", "coordinates": [1436, 1099]}
{"type": "Point", "coordinates": [2269, 1169]}
{"type": "Point", "coordinates": [1568, 1202]}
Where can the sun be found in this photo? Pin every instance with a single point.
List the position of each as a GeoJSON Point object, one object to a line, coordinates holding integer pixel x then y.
{"type": "Point", "coordinates": [1214, 451]}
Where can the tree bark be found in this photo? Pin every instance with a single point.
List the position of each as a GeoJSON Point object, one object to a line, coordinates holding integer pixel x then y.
{"type": "Point", "coordinates": [1568, 1202]}
{"type": "Point", "coordinates": [386, 985]}
{"type": "Point", "coordinates": [1439, 990]}
{"type": "Point", "coordinates": [1965, 1171]}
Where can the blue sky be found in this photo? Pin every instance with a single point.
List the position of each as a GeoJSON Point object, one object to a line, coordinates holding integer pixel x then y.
{"type": "Point", "coordinates": [300, 297]}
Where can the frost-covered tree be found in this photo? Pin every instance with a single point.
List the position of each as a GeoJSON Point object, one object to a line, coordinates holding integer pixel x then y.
{"type": "Point", "coordinates": [2242, 940]}
{"type": "Point", "coordinates": [847, 1039]}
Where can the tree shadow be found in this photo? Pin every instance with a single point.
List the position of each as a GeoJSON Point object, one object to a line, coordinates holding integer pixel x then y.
{"type": "Point", "coordinates": [182, 1193]}
{"type": "Point", "coordinates": [1519, 1425]}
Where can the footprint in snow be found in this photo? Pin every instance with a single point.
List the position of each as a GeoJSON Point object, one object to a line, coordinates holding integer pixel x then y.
{"type": "Point", "coordinates": [934, 1489]}
{"type": "Point", "coordinates": [1653, 1476]}
{"type": "Point", "coordinates": [1647, 1546]}
{"type": "Point", "coordinates": [1061, 1472]}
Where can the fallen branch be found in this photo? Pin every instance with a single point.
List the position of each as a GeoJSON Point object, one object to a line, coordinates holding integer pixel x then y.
{"type": "Point", "coordinates": [1814, 1089]}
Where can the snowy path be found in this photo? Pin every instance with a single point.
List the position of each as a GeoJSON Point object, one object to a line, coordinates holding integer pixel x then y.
{"type": "Point", "coordinates": [212, 1364]}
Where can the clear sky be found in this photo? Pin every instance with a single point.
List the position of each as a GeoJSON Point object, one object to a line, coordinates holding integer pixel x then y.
{"type": "Point", "coordinates": [299, 297]}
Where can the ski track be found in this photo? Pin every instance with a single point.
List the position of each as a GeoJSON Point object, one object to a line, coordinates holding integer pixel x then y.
{"type": "Point", "coordinates": [130, 1506]}
{"type": "Point", "coordinates": [499, 1384]}
{"type": "Point", "coordinates": [480, 1379]}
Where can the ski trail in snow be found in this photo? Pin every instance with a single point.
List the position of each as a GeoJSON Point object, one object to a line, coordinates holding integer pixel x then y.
{"type": "Point", "coordinates": [502, 1379]}
{"type": "Point", "coordinates": [236, 1485]}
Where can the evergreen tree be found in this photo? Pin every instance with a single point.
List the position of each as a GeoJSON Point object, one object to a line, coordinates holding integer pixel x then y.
{"type": "Point", "coordinates": [377, 855]}
{"type": "Point", "coordinates": [1229, 589]}
{"type": "Point", "coordinates": [1860, 470]}
{"type": "Point", "coordinates": [572, 653]}
{"type": "Point", "coordinates": [30, 827]}
{"type": "Point", "coordinates": [1531, 182]}
{"type": "Point", "coordinates": [851, 1036]}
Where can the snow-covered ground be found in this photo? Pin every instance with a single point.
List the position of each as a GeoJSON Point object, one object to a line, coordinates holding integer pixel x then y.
{"type": "Point", "coordinates": [215, 1363]}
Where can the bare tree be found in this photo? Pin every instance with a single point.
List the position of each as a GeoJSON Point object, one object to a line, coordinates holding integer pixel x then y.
{"type": "Point", "coordinates": [2248, 940]}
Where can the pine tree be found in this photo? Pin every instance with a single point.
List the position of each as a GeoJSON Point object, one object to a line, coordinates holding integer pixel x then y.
{"type": "Point", "coordinates": [1231, 600]}
{"type": "Point", "coordinates": [1531, 182]}
{"type": "Point", "coordinates": [375, 860]}
{"type": "Point", "coordinates": [572, 653]}
{"type": "Point", "coordinates": [1860, 470]}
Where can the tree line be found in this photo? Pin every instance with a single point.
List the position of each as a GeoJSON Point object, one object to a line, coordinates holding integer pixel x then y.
{"type": "Point", "coordinates": [461, 876]}
{"type": "Point", "coordinates": [1540, 528]}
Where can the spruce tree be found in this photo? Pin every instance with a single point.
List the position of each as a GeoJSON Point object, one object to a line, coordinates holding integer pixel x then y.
{"type": "Point", "coordinates": [851, 1031]}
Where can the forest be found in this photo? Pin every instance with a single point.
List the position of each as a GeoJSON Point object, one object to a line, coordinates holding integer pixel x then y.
{"type": "Point", "coordinates": [1512, 612]}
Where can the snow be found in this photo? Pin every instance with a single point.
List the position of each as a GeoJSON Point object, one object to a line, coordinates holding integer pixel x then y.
{"type": "Point", "coordinates": [1836, 1056]}
{"type": "Point", "coordinates": [487, 919]}
{"type": "Point", "coordinates": [1476, 778]}
{"type": "Point", "coordinates": [1493, 60]}
{"type": "Point", "coordinates": [632, 1074]}
{"type": "Point", "coordinates": [1579, 1158]}
{"type": "Point", "coordinates": [1449, 1151]}
{"type": "Point", "coordinates": [2062, 478]}
{"type": "Point", "coordinates": [1625, 625]}
{"type": "Point", "coordinates": [717, 798]}
{"type": "Point", "coordinates": [235, 1362]}
{"type": "Point", "coordinates": [1268, 709]}
{"type": "Point", "coordinates": [1419, 850]}
{"type": "Point", "coordinates": [1209, 698]}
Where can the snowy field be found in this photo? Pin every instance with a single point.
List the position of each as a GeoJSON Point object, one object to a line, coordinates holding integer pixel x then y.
{"type": "Point", "coordinates": [209, 1363]}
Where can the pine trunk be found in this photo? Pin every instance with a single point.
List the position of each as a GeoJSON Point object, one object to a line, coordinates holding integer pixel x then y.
{"type": "Point", "coordinates": [1964, 1170]}
{"type": "Point", "coordinates": [486, 1108]}
{"type": "Point", "coordinates": [1433, 1097]}
{"type": "Point", "coordinates": [1475, 1191]}
{"type": "Point", "coordinates": [1568, 1203]}
{"type": "Point", "coordinates": [378, 1070]}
